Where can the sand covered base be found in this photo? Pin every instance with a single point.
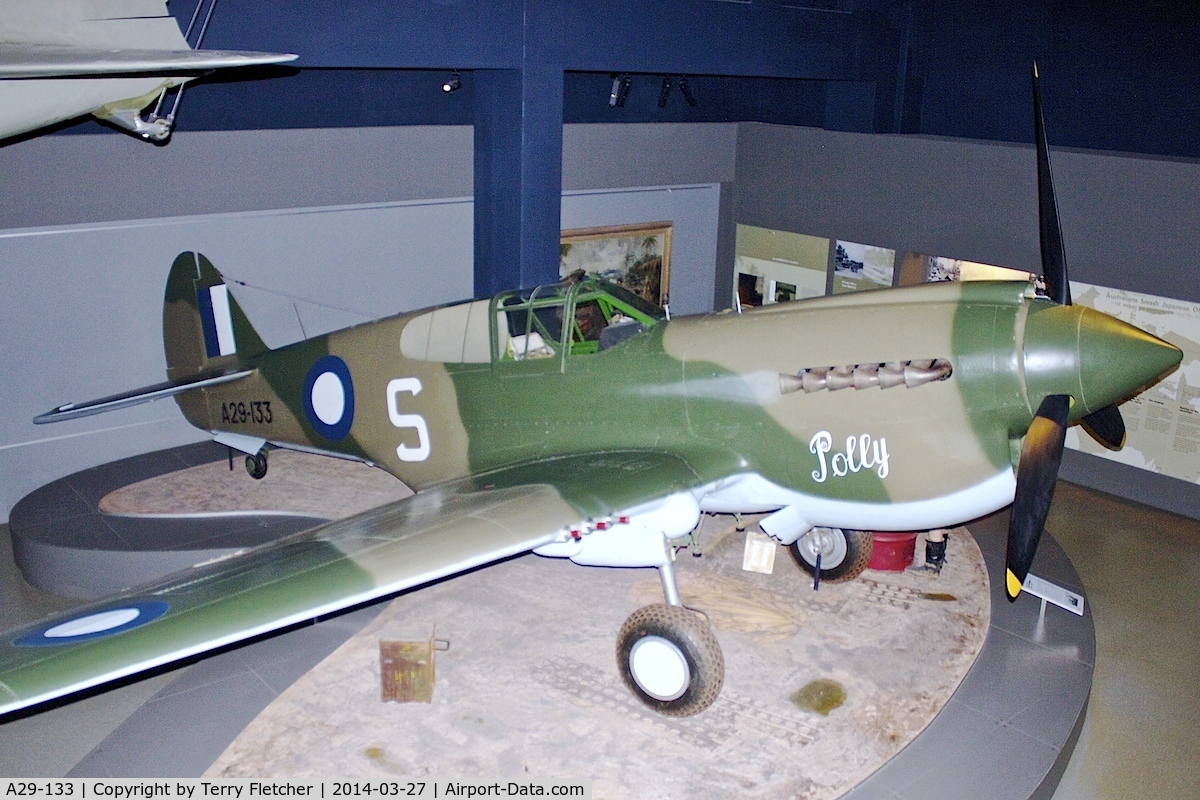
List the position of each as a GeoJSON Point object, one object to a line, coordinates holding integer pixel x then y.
{"type": "Point", "coordinates": [295, 483]}
{"type": "Point", "coordinates": [530, 689]}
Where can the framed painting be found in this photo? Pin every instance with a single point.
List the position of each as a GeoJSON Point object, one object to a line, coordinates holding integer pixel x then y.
{"type": "Point", "coordinates": [637, 257]}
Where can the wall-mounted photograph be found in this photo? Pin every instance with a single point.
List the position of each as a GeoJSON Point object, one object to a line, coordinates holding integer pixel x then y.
{"type": "Point", "coordinates": [636, 256]}
{"type": "Point", "coordinates": [777, 266]}
{"type": "Point", "coordinates": [858, 267]}
{"type": "Point", "coordinates": [920, 268]}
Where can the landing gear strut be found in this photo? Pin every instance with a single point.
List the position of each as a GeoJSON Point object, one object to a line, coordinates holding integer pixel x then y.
{"type": "Point", "coordinates": [668, 655]}
{"type": "Point", "coordinates": [256, 464]}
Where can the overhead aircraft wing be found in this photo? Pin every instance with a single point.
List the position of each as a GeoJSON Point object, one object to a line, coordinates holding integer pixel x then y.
{"type": "Point", "coordinates": [431, 535]}
{"type": "Point", "coordinates": [52, 61]}
{"type": "Point", "coordinates": [60, 59]}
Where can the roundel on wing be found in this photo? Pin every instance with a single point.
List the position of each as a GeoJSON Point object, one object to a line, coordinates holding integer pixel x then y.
{"type": "Point", "coordinates": [329, 398]}
{"type": "Point", "coordinates": [119, 618]}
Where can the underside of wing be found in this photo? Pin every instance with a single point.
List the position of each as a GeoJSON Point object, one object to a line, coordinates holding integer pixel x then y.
{"type": "Point", "coordinates": [303, 576]}
{"type": "Point", "coordinates": [439, 532]}
{"type": "Point", "coordinates": [54, 61]}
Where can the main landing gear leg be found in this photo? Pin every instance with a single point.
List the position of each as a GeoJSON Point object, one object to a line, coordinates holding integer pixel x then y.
{"type": "Point", "coordinates": [668, 655]}
{"type": "Point", "coordinates": [666, 573]}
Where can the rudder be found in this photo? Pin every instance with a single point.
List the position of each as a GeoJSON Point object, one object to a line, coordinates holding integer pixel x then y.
{"type": "Point", "coordinates": [205, 331]}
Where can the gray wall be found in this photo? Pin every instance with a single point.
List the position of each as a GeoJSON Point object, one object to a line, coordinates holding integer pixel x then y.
{"type": "Point", "coordinates": [325, 228]}
{"type": "Point", "coordinates": [1129, 223]}
{"type": "Point", "coordinates": [58, 180]}
{"type": "Point", "coordinates": [330, 227]}
{"type": "Point", "coordinates": [63, 180]}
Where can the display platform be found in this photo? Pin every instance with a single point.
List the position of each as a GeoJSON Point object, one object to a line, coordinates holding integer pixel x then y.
{"type": "Point", "coordinates": [104, 529]}
{"type": "Point", "coordinates": [1006, 731]}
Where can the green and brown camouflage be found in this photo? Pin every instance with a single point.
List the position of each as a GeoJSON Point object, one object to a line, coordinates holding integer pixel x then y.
{"type": "Point", "coordinates": [600, 440]}
{"type": "Point", "coordinates": [438, 394]}
{"type": "Point", "coordinates": [578, 422]}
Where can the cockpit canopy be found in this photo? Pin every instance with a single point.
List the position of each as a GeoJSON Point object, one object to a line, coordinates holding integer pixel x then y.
{"type": "Point", "coordinates": [529, 323]}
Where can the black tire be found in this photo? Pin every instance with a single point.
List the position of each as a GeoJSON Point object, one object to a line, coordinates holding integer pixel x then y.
{"type": "Point", "coordinates": [679, 636]}
{"type": "Point", "coordinates": [844, 554]}
{"type": "Point", "coordinates": [256, 465]}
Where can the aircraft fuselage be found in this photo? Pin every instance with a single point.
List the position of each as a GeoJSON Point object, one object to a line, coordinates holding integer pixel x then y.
{"type": "Point", "coordinates": [792, 404]}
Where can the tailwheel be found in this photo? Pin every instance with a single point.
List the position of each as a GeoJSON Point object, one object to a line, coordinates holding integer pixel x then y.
{"type": "Point", "coordinates": [670, 659]}
{"type": "Point", "coordinates": [256, 465]}
{"type": "Point", "coordinates": [843, 554]}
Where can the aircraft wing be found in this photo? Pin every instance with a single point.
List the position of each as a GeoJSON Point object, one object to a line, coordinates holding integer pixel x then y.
{"type": "Point", "coordinates": [431, 535]}
{"type": "Point", "coordinates": [50, 61]}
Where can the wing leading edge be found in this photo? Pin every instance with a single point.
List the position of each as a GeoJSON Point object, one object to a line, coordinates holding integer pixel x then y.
{"type": "Point", "coordinates": [55, 61]}
{"type": "Point", "coordinates": [432, 535]}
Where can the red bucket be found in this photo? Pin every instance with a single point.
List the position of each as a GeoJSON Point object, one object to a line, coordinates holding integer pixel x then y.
{"type": "Point", "coordinates": [893, 552]}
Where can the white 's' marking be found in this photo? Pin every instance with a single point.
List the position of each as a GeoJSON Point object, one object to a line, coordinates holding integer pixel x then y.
{"type": "Point", "coordinates": [415, 421]}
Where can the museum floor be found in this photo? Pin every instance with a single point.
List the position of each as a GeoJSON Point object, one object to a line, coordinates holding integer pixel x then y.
{"type": "Point", "coordinates": [1141, 569]}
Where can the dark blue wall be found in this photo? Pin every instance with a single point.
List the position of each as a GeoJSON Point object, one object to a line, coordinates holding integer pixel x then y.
{"type": "Point", "coordinates": [1117, 75]}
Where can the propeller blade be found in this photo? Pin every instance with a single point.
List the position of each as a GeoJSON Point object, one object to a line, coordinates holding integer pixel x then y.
{"type": "Point", "coordinates": [1054, 259]}
{"type": "Point", "coordinates": [1041, 455]}
{"type": "Point", "coordinates": [1106, 426]}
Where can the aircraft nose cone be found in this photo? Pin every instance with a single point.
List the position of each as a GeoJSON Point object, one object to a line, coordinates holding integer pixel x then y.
{"type": "Point", "coordinates": [1117, 359]}
{"type": "Point", "coordinates": [1094, 357]}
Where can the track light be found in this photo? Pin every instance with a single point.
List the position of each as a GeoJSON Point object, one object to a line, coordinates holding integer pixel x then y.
{"type": "Point", "coordinates": [664, 92]}
{"type": "Point", "coordinates": [620, 90]}
{"type": "Point", "coordinates": [686, 88]}
{"type": "Point", "coordinates": [452, 84]}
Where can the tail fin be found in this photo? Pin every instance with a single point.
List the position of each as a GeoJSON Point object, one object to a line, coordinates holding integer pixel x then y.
{"type": "Point", "coordinates": [205, 331]}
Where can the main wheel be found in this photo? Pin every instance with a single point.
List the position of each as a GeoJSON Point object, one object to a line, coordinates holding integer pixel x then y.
{"type": "Point", "coordinates": [256, 465]}
{"type": "Point", "coordinates": [844, 554]}
{"type": "Point", "coordinates": [670, 659]}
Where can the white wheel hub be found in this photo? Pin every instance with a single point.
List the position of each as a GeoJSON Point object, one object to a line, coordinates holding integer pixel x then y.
{"type": "Point", "coordinates": [660, 668]}
{"type": "Point", "coordinates": [829, 542]}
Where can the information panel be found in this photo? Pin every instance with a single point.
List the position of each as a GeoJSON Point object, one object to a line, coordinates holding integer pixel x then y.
{"type": "Point", "coordinates": [1163, 422]}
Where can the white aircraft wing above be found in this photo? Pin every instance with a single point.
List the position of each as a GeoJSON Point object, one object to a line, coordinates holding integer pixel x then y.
{"type": "Point", "coordinates": [54, 61]}
{"type": "Point", "coordinates": [60, 59]}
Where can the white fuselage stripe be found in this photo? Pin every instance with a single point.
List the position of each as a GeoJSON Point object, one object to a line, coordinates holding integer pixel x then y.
{"type": "Point", "coordinates": [753, 493]}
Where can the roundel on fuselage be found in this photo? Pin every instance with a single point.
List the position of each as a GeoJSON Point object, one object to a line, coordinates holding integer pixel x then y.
{"type": "Point", "coordinates": [94, 625]}
{"type": "Point", "coordinates": [329, 398]}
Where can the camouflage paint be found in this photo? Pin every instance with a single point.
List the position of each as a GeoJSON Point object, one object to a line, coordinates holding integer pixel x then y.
{"type": "Point", "coordinates": [511, 455]}
{"type": "Point", "coordinates": [279, 584]}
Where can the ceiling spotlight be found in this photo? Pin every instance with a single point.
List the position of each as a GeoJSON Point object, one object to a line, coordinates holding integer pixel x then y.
{"type": "Point", "coordinates": [686, 88]}
{"type": "Point", "coordinates": [452, 84]}
{"type": "Point", "coordinates": [620, 90]}
{"type": "Point", "coordinates": [666, 90]}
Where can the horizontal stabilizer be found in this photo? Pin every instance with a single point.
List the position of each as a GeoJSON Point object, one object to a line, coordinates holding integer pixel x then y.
{"type": "Point", "coordinates": [146, 395]}
{"type": "Point", "coordinates": [56, 61]}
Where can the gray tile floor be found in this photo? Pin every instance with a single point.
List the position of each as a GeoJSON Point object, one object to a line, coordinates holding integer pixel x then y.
{"type": "Point", "coordinates": [995, 736]}
{"type": "Point", "coordinates": [1142, 570]}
